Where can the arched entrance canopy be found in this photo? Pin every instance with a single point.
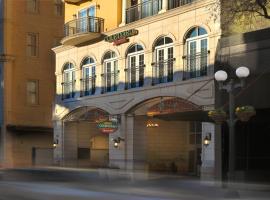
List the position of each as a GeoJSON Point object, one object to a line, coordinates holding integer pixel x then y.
{"type": "Point", "coordinates": [87, 114]}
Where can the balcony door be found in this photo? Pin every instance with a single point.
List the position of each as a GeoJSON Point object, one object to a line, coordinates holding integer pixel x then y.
{"type": "Point", "coordinates": [136, 71]}
{"type": "Point", "coordinates": [164, 63]}
{"type": "Point", "coordinates": [86, 19]}
{"type": "Point", "coordinates": [110, 75]}
{"type": "Point", "coordinates": [197, 51]}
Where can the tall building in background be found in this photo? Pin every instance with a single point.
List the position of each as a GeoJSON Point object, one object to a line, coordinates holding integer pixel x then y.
{"type": "Point", "coordinates": [28, 31]}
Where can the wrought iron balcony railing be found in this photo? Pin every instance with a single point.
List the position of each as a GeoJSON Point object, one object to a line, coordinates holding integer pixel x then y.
{"type": "Point", "coordinates": [142, 10]}
{"type": "Point", "coordinates": [109, 81]}
{"type": "Point", "coordinates": [162, 71]}
{"type": "Point", "coordinates": [134, 77]}
{"type": "Point", "coordinates": [84, 25]}
{"type": "Point", "coordinates": [196, 65]}
{"type": "Point", "coordinates": [177, 3]}
{"type": "Point", "coordinates": [88, 86]}
{"type": "Point", "coordinates": [68, 90]}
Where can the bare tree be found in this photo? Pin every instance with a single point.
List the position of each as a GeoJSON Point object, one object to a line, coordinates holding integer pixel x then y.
{"type": "Point", "coordinates": [240, 11]}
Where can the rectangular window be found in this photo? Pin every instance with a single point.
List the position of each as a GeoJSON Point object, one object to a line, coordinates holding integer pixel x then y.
{"type": "Point", "coordinates": [32, 6]}
{"type": "Point", "coordinates": [32, 44]}
{"type": "Point", "coordinates": [32, 92]}
{"type": "Point", "coordinates": [58, 8]}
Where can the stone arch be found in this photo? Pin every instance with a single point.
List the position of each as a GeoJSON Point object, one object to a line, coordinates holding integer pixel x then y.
{"type": "Point", "coordinates": [91, 55]}
{"type": "Point", "coordinates": [107, 50]}
{"type": "Point", "coordinates": [170, 35]}
{"type": "Point", "coordinates": [80, 110]}
{"type": "Point", "coordinates": [68, 61]}
{"type": "Point", "coordinates": [205, 26]}
{"type": "Point", "coordinates": [134, 43]}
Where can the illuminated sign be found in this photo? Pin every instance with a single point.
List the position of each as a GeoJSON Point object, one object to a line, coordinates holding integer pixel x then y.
{"type": "Point", "coordinates": [107, 126]}
{"type": "Point", "coordinates": [122, 37]}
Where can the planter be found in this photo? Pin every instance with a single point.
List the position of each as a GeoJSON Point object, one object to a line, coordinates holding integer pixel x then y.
{"type": "Point", "coordinates": [218, 116]}
{"type": "Point", "coordinates": [244, 113]}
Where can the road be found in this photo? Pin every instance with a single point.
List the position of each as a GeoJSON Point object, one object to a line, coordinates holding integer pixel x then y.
{"type": "Point", "coordinates": [50, 184]}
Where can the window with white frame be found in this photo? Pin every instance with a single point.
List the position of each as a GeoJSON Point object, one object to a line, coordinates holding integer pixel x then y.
{"type": "Point", "coordinates": [88, 81]}
{"type": "Point", "coordinates": [135, 69]}
{"type": "Point", "coordinates": [32, 92]}
{"type": "Point", "coordinates": [58, 8]}
{"type": "Point", "coordinates": [87, 19]}
{"type": "Point", "coordinates": [110, 72]}
{"type": "Point", "coordinates": [68, 81]}
{"type": "Point", "coordinates": [32, 44]}
{"type": "Point", "coordinates": [32, 6]}
{"type": "Point", "coordinates": [197, 52]}
{"type": "Point", "coordinates": [164, 60]}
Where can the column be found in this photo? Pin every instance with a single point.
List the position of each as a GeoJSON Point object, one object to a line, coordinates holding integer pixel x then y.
{"type": "Point", "coordinates": [58, 140]}
{"type": "Point", "coordinates": [208, 152]}
{"type": "Point", "coordinates": [164, 6]}
{"type": "Point", "coordinates": [117, 155]}
{"type": "Point", "coordinates": [129, 142]}
{"type": "Point", "coordinates": [124, 6]}
{"type": "Point", "coordinates": [98, 79]}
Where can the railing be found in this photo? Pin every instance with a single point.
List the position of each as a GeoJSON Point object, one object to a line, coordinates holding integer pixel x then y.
{"type": "Point", "coordinates": [88, 86]}
{"type": "Point", "coordinates": [196, 65]}
{"type": "Point", "coordinates": [84, 25]}
{"type": "Point", "coordinates": [162, 71]}
{"type": "Point", "coordinates": [134, 77]}
{"type": "Point", "coordinates": [109, 81]}
{"type": "Point", "coordinates": [68, 89]}
{"type": "Point", "coordinates": [177, 3]}
{"type": "Point", "coordinates": [142, 10]}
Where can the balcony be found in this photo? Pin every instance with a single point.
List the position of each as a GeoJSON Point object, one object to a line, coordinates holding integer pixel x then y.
{"type": "Point", "coordinates": [162, 71]}
{"type": "Point", "coordinates": [142, 10]}
{"type": "Point", "coordinates": [68, 90]}
{"type": "Point", "coordinates": [83, 29]}
{"type": "Point", "coordinates": [177, 3]}
{"type": "Point", "coordinates": [88, 86]}
{"type": "Point", "coordinates": [196, 66]}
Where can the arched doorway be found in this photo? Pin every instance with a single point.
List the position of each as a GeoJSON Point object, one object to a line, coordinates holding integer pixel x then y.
{"type": "Point", "coordinates": [84, 144]}
{"type": "Point", "coordinates": [167, 135]}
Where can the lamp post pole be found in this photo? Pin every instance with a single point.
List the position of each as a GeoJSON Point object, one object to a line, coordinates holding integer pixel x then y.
{"type": "Point", "coordinates": [229, 87]}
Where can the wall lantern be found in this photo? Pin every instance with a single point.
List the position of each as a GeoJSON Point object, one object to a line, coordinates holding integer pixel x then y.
{"type": "Point", "coordinates": [207, 139]}
{"type": "Point", "coordinates": [116, 141]}
{"type": "Point", "coordinates": [55, 143]}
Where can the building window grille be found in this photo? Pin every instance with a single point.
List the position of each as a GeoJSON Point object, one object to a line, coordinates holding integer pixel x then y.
{"type": "Point", "coordinates": [135, 67]}
{"type": "Point", "coordinates": [196, 59]}
{"type": "Point", "coordinates": [88, 81]}
{"type": "Point", "coordinates": [162, 71]}
{"type": "Point", "coordinates": [110, 72]}
{"type": "Point", "coordinates": [68, 84]}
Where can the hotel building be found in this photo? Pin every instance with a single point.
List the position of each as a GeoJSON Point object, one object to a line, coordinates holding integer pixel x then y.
{"type": "Point", "coordinates": [134, 80]}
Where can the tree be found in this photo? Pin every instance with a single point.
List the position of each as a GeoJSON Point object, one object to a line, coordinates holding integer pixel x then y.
{"type": "Point", "coordinates": [240, 11]}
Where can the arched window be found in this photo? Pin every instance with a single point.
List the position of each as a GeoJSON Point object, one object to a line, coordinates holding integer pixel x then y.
{"type": "Point", "coordinates": [135, 66]}
{"type": "Point", "coordinates": [88, 81]}
{"type": "Point", "coordinates": [164, 60]}
{"type": "Point", "coordinates": [110, 72]}
{"type": "Point", "coordinates": [68, 81]}
{"type": "Point", "coordinates": [197, 53]}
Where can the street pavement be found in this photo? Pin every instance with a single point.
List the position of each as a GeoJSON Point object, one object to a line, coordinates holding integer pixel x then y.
{"type": "Point", "coordinates": [103, 184]}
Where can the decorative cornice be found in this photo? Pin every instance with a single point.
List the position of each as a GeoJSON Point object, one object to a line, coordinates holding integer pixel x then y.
{"type": "Point", "coordinates": [6, 58]}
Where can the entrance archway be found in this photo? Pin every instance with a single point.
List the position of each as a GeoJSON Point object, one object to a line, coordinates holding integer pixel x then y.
{"type": "Point", "coordinates": [84, 144]}
{"type": "Point", "coordinates": [167, 135]}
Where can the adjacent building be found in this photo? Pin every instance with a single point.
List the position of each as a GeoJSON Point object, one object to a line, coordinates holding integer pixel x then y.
{"type": "Point", "coordinates": [28, 31]}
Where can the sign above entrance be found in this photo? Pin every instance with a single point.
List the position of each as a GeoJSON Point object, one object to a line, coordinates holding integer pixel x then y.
{"type": "Point", "coordinates": [108, 126]}
{"type": "Point", "coordinates": [122, 37]}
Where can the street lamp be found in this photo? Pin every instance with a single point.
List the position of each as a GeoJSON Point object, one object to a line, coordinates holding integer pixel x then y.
{"type": "Point", "coordinates": [221, 76]}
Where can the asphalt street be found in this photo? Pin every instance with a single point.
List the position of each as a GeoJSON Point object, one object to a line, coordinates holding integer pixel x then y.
{"type": "Point", "coordinates": [69, 184]}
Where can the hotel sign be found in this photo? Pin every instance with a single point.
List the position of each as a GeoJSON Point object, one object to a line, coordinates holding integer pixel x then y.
{"type": "Point", "coordinates": [122, 37]}
{"type": "Point", "coordinates": [107, 126]}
